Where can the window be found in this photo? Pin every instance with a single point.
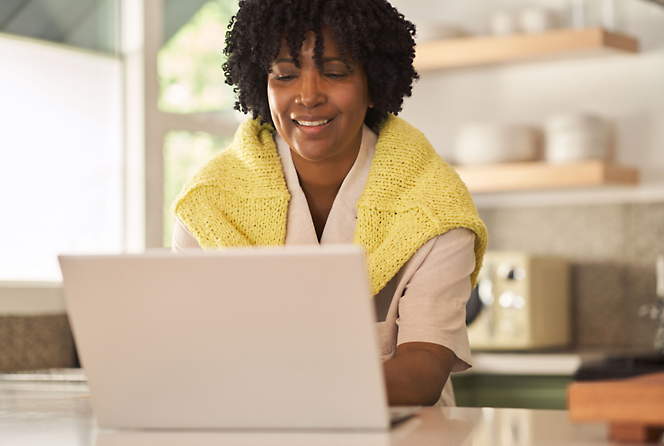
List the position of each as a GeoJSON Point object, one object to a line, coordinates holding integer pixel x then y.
{"type": "Point", "coordinates": [185, 153]}
{"type": "Point", "coordinates": [80, 163]}
{"type": "Point", "coordinates": [192, 88]}
{"type": "Point", "coordinates": [190, 74]}
{"type": "Point", "coordinates": [89, 24]}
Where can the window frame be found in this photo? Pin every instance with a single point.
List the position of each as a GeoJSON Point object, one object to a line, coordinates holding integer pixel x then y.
{"type": "Point", "coordinates": [141, 38]}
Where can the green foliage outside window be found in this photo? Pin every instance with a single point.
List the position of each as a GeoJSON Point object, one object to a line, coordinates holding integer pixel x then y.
{"type": "Point", "coordinates": [189, 64]}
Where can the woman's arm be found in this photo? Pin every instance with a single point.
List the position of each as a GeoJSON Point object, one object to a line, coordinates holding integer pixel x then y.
{"type": "Point", "coordinates": [417, 374]}
{"type": "Point", "coordinates": [432, 339]}
{"type": "Point", "coordinates": [182, 238]}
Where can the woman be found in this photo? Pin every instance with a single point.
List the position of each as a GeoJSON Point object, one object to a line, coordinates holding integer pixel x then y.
{"type": "Point", "coordinates": [325, 160]}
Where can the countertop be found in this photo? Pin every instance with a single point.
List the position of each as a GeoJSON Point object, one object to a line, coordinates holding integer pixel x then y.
{"type": "Point", "coordinates": [532, 363]}
{"type": "Point", "coordinates": [56, 411]}
{"type": "Point", "coordinates": [550, 363]}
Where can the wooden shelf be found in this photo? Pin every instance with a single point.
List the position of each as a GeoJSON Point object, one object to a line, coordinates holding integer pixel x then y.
{"type": "Point", "coordinates": [474, 51]}
{"type": "Point", "coordinates": [541, 175]}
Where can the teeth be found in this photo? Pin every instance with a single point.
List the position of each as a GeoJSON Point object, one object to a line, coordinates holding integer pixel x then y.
{"type": "Point", "coordinates": [313, 123]}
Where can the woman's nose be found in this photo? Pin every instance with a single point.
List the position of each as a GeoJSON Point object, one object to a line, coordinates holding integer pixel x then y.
{"type": "Point", "coordinates": [311, 92]}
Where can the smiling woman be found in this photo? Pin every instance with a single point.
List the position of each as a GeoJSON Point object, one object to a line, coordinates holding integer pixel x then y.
{"type": "Point", "coordinates": [319, 112]}
{"type": "Point", "coordinates": [325, 160]}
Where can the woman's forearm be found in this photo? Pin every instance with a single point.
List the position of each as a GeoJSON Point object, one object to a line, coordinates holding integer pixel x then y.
{"type": "Point", "coordinates": [417, 374]}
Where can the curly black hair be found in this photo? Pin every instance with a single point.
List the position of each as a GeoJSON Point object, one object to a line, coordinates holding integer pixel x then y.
{"type": "Point", "coordinates": [372, 32]}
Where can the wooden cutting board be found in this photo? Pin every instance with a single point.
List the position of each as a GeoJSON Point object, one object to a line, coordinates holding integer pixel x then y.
{"type": "Point", "coordinates": [634, 407]}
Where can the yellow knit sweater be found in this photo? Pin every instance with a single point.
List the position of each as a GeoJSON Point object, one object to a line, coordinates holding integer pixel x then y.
{"type": "Point", "coordinates": [240, 198]}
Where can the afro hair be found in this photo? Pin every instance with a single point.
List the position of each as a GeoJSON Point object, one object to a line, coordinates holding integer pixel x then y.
{"type": "Point", "coordinates": [369, 31]}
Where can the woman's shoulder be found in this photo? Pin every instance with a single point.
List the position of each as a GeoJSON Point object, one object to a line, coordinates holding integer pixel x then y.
{"type": "Point", "coordinates": [249, 166]}
{"type": "Point", "coordinates": [406, 168]}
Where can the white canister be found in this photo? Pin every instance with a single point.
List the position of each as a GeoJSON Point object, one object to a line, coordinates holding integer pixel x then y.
{"type": "Point", "coordinates": [573, 137]}
{"type": "Point", "coordinates": [575, 122]}
{"type": "Point", "coordinates": [489, 143]}
{"type": "Point", "coordinates": [503, 23]}
{"type": "Point", "coordinates": [537, 20]}
{"type": "Point", "coordinates": [569, 148]}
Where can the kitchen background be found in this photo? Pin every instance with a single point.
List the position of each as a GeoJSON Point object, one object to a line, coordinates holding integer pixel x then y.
{"type": "Point", "coordinates": [610, 234]}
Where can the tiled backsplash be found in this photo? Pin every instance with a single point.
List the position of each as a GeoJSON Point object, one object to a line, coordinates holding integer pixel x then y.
{"type": "Point", "coordinates": [612, 249]}
{"type": "Point", "coordinates": [36, 342]}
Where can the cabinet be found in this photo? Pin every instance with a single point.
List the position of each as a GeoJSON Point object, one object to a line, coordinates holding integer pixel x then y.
{"type": "Point", "coordinates": [520, 380]}
{"type": "Point", "coordinates": [517, 391]}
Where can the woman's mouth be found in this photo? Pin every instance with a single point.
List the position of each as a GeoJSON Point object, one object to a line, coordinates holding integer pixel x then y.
{"type": "Point", "coordinates": [312, 127]}
{"type": "Point", "coordinates": [313, 123]}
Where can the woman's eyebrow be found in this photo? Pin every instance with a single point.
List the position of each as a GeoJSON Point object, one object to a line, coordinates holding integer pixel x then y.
{"type": "Point", "coordinates": [284, 59]}
{"type": "Point", "coordinates": [325, 60]}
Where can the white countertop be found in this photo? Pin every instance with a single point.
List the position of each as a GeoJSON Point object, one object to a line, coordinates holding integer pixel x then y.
{"type": "Point", "coordinates": [60, 414]}
{"type": "Point", "coordinates": [562, 363]}
{"type": "Point", "coordinates": [554, 364]}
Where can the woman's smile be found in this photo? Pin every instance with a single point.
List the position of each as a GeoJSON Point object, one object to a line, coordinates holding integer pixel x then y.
{"type": "Point", "coordinates": [312, 126]}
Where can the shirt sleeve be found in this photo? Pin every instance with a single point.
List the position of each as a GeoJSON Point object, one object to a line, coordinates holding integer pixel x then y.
{"type": "Point", "coordinates": [432, 307]}
{"type": "Point", "coordinates": [182, 238]}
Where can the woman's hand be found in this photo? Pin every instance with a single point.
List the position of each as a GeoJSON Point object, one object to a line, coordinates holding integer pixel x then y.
{"type": "Point", "coordinates": [417, 374]}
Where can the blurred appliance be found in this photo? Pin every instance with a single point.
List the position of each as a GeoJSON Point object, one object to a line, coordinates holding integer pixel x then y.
{"type": "Point", "coordinates": [521, 302]}
{"type": "Point", "coordinates": [656, 311]}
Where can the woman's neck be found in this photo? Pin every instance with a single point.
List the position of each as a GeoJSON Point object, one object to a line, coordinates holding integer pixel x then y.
{"type": "Point", "coordinates": [320, 183]}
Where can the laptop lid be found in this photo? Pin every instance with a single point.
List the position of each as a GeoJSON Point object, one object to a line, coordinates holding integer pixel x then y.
{"type": "Point", "coordinates": [270, 338]}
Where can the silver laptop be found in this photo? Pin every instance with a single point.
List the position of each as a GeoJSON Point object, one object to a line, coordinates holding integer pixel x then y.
{"type": "Point", "coordinates": [272, 338]}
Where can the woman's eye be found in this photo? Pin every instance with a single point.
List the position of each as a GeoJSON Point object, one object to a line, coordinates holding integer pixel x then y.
{"type": "Point", "coordinates": [336, 75]}
{"type": "Point", "coordinates": [285, 77]}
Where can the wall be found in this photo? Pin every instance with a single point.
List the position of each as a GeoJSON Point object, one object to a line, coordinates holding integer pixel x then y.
{"type": "Point", "coordinates": [612, 249]}
{"type": "Point", "coordinates": [61, 156]}
{"type": "Point", "coordinates": [612, 235]}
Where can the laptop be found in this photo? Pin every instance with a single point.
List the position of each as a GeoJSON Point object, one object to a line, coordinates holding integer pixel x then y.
{"type": "Point", "coordinates": [260, 338]}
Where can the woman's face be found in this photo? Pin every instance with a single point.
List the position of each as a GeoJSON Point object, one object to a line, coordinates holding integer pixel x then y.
{"type": "Point", "coordinates": [319, 113]}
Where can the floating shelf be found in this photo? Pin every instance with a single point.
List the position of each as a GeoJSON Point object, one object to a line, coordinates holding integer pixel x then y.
{"type": "Point", "coordinates": [474, 51]}
{"type": "Point", "coordinates": [541, 175]}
